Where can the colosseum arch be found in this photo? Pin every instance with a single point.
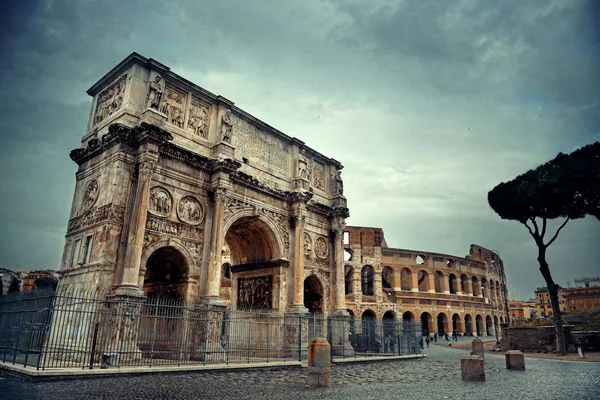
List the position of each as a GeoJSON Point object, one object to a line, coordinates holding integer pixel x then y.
{"type": "Point", "coordinates": [457, 324]}
{"type": "Point", "coordinates": [348, 279]}
{"type": "Point", "coordinates": [439, 282]}
{"type": "Point", "coordinates": [479, 325]}
{"type": "Point", "coordinates": [488, 326]}
{"type": "Point", "coordinates": [453, 284]}
{"type": "Point", "coordinates": [366, 280]}
{"type": "Point", "coordinates": [476, 286]}
{"type": "Point", "coordinates": [406, 279]}
{"type": "Point", "coordinates": [387, 278]}
{"type": "Point", "coordinates": [442, 323]}
{"type": "Point", "coordinates": [368, 323]}
{"type": "Point", "coordinates": [484, 288]}
{"type": "Point", "coordinates": [426, 323]}
{"type": "Point", "coordinates": [468, 325]}
{"type": "Point", "coordinates": [424, 285]}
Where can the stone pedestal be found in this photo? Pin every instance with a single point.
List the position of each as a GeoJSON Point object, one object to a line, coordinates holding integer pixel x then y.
{"type": "Point", "coordinates": [477, 346]}
{"type": "Point", "coordinates": [515, 360]}
{"type": "Point", "coordinates": [319, 363]}
{"type": "Point", "coordinates": [339, 323]}
{"type": "Point", "coordinates": [472, 368]}
{"type": "Point", "coordinates": [224, 150]}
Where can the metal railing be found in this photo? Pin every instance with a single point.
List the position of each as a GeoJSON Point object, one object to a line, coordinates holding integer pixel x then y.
{"type": "Point", "coordinates": [46, 329]}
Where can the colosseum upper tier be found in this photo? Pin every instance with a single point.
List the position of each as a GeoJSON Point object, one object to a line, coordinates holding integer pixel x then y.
{"type": "Point", "coordinates": [465, 295]}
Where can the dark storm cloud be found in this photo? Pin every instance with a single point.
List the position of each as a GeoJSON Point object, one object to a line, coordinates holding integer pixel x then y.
{"type": "Point", "coordinates": [428, 104]}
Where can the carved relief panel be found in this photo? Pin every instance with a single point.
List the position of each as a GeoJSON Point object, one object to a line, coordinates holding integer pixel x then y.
{"type": "Point", "coordinates": [110, 100]}
{"type": "Point", "coordinates": [161, 201]}
{"type": "Point", "coordinates": [317, 175]}
{"type": "Point", "coordinates": [321, 247]}
{"type": "Point", "coordinates": [90, 195]}
{"type": "Point", "coordinates": [307, 243]}
{"type": "Point", "coordinates": [199, 117]}
{"type": "Point", "coordinates": [189, 210]}
{"type": "Point", "coordinates": [255, 292]}
{"type": "Point", "coordinates": [173, 106]}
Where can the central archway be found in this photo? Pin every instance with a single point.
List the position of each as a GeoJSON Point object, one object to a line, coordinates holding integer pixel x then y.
{"type": "Point", "coordinates": [251, 240]}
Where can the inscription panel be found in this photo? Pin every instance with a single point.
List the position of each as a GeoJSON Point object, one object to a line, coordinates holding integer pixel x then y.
{"type": "Point", "coordinates": [268, 150]}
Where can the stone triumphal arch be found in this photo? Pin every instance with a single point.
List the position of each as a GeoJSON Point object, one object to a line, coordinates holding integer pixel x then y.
{"type": "Point", "coordinates": [181, 194]}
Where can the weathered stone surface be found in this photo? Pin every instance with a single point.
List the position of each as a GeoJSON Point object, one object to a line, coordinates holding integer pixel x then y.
{"type": "Point", "coordinates": [472, 368]}
{"type": "Point", "coordinates": [515, 360]}
{"type": "Point", "coordinates": [319, 363]}
{"type": "Point", "coordinates": [477, 348]}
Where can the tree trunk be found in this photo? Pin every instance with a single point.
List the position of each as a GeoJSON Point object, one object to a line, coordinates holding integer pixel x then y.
{"type": "Point", "coordinates": [561, 348]}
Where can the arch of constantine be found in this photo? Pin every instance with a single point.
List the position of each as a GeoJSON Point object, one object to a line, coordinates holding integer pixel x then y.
{"type": "Point", "coordinates": [182, 195]}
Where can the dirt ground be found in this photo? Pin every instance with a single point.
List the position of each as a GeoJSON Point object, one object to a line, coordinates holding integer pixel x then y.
{"type": "Point", "coordinates": [490, 345]}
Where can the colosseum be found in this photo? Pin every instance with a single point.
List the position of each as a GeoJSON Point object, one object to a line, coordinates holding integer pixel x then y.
{"type": "Point", "coordinates": [447, 294]}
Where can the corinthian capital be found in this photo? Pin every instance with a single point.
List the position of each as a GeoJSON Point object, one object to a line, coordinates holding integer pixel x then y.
{"type": "Point", "coordinates": [220, 192]}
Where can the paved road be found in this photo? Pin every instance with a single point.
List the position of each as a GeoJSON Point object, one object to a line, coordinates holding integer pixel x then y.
{"type": "Point", "coordinates": [437, 377]}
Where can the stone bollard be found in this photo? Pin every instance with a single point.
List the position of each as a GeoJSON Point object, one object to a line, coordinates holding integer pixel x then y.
{"type": "Point", "coordinates": [319, 363]}
{"type": "Point", "coordinates": [477, 346]}
{"type": "Point", "coordinates": [515, 360]}
{"type": "Point", "coordinates": [472, 368]}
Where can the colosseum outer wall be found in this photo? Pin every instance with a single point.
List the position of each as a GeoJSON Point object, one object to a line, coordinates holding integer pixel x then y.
{"type": "Point", "coordinates": [445, 293]}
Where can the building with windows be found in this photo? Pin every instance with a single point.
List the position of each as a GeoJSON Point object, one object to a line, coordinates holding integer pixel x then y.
{"type": "Point", "coordinates": [582, 298]}
{"type": "Point", "coordinates": [542, 302]}
{"type": "Point", "coordinates": [522, 310]}
{"type": "Point", "coordinates": [445, 293]}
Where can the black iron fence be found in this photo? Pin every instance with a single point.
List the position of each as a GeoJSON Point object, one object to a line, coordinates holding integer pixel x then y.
{"type": "Point", "coordinates": [46, 329]}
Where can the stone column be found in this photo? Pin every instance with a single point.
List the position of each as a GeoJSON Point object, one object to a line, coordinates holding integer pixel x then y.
{"type": "Point", "coordinates": [431, 279]}
{"type": "Point", "coordinates": [298, 221]}
{"type": "Point", "coordinates": [414, 281]}
{"type": "Point", "coordinates": [147, 158]}
{"type": "Point", "coordinates": [340, 284]}
{"type": "Point", "coordinates": [446, 285]}
{"type": "Point", "coordinates": [213, 279]}
{"type": "Point", "coordinates": [469, 287]}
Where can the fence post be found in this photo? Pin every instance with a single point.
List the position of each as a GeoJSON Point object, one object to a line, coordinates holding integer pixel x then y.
{"type": "Point", "coordinates": [94, 341]}
{"type": "Point", "coordinates": [299, 338]}
{"type": "Point", "coordinates": [18, 342]}
{"type": "Point", "coordinates": [248, 345]}
{"type": "Point", "coordinates": [153, 333]}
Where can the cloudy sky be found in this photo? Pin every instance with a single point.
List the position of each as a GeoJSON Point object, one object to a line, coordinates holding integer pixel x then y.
{"type": "Point", "coordinates": [428, 104]}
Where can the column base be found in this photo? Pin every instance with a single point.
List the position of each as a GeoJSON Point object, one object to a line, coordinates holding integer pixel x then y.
{"type": "Point", "coordinates": [298, 309]}
{"type": "Point", "coordinates": [128, 291]}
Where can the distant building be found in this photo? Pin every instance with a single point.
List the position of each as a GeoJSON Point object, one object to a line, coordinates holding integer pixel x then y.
{"type": "Point", "coordinates": [582, 298]}
{"type": "Point", "coordinates": [522, 310]}
{"type": "Point", "coordinates": [542, 302]}
{"type": "Point", "coordinates": [588, 282]}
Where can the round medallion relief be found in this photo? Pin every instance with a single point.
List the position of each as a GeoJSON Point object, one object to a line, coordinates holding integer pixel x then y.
{"type": "Point", "coordinates": [321, 247]}
{"type": "Point", "coordinates": [307, 243]}
{"type": "Point", "coordinates": [161, 201]}
{"type": "Point", "coordinates": [91, 194]}
{"type": "Point", "coordinates": [189, 210]}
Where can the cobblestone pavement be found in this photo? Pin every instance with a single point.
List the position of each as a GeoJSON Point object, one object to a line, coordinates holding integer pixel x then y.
{"type": "Point", "coordinates": [436, 377]}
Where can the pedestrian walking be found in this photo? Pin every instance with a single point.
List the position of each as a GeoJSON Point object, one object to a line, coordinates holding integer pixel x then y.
{"type": "Point", "coordinates": [446, 337]}
{"type": "Point", "coordinates": [427, 341]}
{"type": "Point", "coordinates": [435, 335]}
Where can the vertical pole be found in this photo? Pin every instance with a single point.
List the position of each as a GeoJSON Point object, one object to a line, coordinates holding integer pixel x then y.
{"type": "Point", "coordinates": [94, 340]}
{"type": "Point", "coordinates": [248, 345]}
{"type": "Point", "coordinates": [299, 338]}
